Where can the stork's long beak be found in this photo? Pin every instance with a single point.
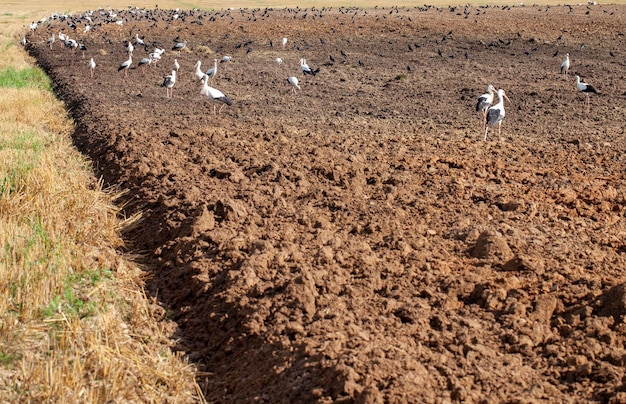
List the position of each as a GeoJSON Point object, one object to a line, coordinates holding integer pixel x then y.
{"type": "Point", "coordinates": [507, 98]}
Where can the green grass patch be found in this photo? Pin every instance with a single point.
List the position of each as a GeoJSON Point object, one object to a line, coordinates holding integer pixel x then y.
{"type": "Point", "coordinates": [73, 300]}
{"type": "Point", "coordinates": [13, 181]}
{"type": "Point", "coordinates": [7, 359]}
{"type": "Point", "coordinates": [24, 140]}
{"type": "Point", "coordinates": [29, 77]}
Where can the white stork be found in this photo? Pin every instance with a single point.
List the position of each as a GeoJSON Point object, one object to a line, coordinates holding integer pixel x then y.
{"type": "Point", "coordinates": [484, 102]}
{"type": "Point", "coordinates": [198, 74]}
{"type": "Point", "coordinates": [306, 69]}
{"type": "Point", "coordinates": [176, 65]}
{"type": "Point", "coordinates": [214, 94]}
{"type": "Point", "coordinates": [51, 40]}
{"type": "Point", "coordinates": [145, 62]}
{"type": "Point", "coordinates": [92, 66]}
{"type": "Point", "coordinates": [155, 56]}
{"type": "Point", "coordinates": [140, 41]}
{"type": "Point", "coordinates": [565, 65]}
{"type": "Point", "coordinates": [212, 72]}
{"type": "Point", "coordinates": [294, 83]}
{"type": "Point", "coordinates": [168, 83]}
{"type": "Point", "coordinates": [284, 42]}
{"type": "Point", "coordinates": [126, 65]}
{"type": "Point", "coordinates": [495, 114]}
{"type": "Point", "coordinates": [585, 89]}
{"type": "Point", "coordinates": [278, 61]}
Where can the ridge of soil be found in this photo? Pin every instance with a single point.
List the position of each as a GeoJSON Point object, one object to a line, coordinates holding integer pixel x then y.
{"type": "Point", "coordinates": [357, 241]}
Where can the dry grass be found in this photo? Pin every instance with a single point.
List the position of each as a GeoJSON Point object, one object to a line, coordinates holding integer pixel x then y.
{"type": "Point", "coordinates": [75, 324]}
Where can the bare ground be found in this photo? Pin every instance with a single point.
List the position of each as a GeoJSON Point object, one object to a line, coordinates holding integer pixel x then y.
{"type": "Point", "coordinates": [357, 241]}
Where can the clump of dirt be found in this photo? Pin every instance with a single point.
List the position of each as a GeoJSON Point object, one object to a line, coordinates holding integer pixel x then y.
{"type": "Point", "coordinates": [357, 241]}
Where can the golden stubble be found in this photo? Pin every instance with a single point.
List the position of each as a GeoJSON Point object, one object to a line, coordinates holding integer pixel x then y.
{"type": "Point", "coordinates": [75, 323]}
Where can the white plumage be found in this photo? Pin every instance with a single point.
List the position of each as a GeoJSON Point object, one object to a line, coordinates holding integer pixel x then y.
{"type": "Point", "coordinates": [168, 83]}
{"type": "Point", "coordinates": [585, 89]}
{"type": "Point", "coordinates": [294, 83]}
{"type": "Point", "coordinates": [198, 74]}
{"type": "Point", "coordinates": [484, 102]}
{"type": "Point", "coordinates": [214, 94]}
{"type": "Point", "coordinates": [496, 114]}
{"type": "Point", "coordinates": [306, 69]}
{"type": "Point", "coordinates": [126, 65]}
{"type": "Point", "coordinates": [92, 66]}
{"type": "Point", "coordinates": [565, 65]}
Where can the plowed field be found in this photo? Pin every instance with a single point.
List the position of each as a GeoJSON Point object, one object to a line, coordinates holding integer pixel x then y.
{"type": "Point", "coordinates": [357, 241]}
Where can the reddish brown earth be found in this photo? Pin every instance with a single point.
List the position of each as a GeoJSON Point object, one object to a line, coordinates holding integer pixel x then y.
{"type": "Point", "coordinates": [357, 241]}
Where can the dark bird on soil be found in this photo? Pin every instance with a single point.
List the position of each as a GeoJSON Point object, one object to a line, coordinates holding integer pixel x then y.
{"type": "Point", "coordinates": [585, 89]}
{"type": "Point", "coordinates": [484, 102]}
{"type": "Point", "coordinates": [495, 114]}
{"type": "Point", "coordinates": [179, 46]}
{"type": "Point", "coordinates": [215, 95]}
{"type": "Point", "coordinates": [126, 65]}
{"type": "Point", "coordinates": [168, 83]}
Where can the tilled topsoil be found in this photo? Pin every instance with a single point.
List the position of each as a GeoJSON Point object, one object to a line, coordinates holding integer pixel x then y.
{"type": "Point", "coordinates": [357, 241]}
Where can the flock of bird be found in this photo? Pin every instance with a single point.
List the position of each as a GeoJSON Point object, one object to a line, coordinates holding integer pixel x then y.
{"type": "Point", "coordinates": [492, 114]}
{"type": "Point", "coordinates": [169, 80]}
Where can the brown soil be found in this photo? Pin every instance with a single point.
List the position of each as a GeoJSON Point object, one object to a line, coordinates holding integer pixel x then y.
{"type": "Point", "coordinates": [358, 241]}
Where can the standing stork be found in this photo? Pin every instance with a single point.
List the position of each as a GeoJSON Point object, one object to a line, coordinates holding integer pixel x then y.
{"type": "Point", "coordinates": [140, 41]}
{"type": "Point", "coordinates": [495, 114]}
{"type": "Point", "coordinates": [145, 62]}
{"type": "Point", "coordinates": [294, 83]}
{"type": "Point", "coordinates": [585, 89]}
{"type": "Point", "coordinates": [126, 65]}
{"type": "Point", "coordinates": [214, 94]}
{"type": "Point", "coordinates": [565, 65]}
{"type": "Point", "coordinates": [306, 69]}
{"type": "Point", "coordinates": [176, 65]}
{"type": "Point", "coordinates": [51, 40]}
{"type": "Point", "coordinates": [168, 83]}
{"type": "Point", "coordinates": [484, 102]}
{"type": "Point", "coordinates": [212, 72]}
{"type": "Point", "coordinates": [198, 74]}
{"type": "Point", "coordinates": [92, 66]}
{"type": "Point", "coordinates": [284, 42]}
